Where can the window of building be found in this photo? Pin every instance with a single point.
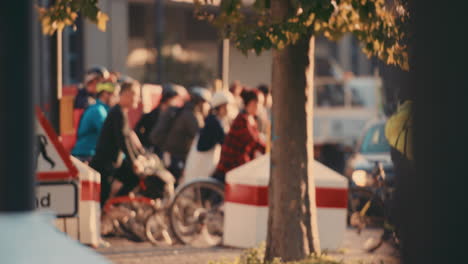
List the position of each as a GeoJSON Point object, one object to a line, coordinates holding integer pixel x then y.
{"type": "Point", "coordinates": [136, 12]}
{"type": "Point", "coordinates": [73, 53]}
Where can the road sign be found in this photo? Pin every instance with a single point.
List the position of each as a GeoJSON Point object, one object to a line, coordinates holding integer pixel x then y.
{"type": "Point", "coordinates": [52, 160]}
{"type": "Point", "coordinates": [59, 197]}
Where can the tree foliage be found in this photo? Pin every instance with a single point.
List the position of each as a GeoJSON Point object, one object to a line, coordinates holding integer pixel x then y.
{"type": "Point", "coordinates": [380, 27]}
{"type": "Point", "coordinates": [65, 12]}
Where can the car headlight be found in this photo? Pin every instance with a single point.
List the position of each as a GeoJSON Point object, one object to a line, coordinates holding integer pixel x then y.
{"type": "Point", "coordinates": [359, 177]}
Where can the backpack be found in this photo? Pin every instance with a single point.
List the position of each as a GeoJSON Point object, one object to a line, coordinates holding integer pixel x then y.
{"type": "Point", "coordinates": [160, 132]}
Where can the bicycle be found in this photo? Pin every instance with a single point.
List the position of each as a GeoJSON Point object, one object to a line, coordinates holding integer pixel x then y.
{"type": "Point", "coordinates": [372, 194]}
{"type": "Point", "coordinates": [196, 213]}
{"type": "Point", "coordinates": [192, 214]}
{"type": "Point", "coordinates": [129, 215]}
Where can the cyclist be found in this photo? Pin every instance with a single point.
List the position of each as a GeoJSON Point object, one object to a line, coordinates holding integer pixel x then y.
{"type": "Point", "coordinates": [116, 138]}
{"type": "Point", "coordinates": [87, 92]}
{"type": "Point", "coordinates": [171, 97]}
{"type": "Point", "coordinates": [398, 131]}
{"type": "Point", "coordinates": [177, 128]}
{"type": "Point", "coordinates": [92, 120]}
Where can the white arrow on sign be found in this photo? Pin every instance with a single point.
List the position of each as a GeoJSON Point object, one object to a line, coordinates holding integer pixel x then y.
{"type": "Point", "coordinates": [61, 198]}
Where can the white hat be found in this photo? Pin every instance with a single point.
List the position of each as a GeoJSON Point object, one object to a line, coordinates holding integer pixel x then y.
{"type": "Point", "coordinates": [220, 98]}
{"type": "Point", "coordinates": [201, 93]}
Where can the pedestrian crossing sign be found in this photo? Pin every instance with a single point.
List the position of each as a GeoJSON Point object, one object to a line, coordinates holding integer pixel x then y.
{"type": "Point", "coordinates": [52, 161]}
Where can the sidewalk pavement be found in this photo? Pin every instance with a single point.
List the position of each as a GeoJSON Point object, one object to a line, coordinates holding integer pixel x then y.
{"type": "Point", "coordinates": [352, 251]}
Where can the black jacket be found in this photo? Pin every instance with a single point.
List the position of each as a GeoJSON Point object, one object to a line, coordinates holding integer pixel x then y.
{"type": "Point", "coordinates": [211, 134]}
{"type": "Point", "coordinates": [114, 138]}
{"type": "Point", "coordinates": [144, 126]}
{"type": "Point", "coordinates": [176, 130]}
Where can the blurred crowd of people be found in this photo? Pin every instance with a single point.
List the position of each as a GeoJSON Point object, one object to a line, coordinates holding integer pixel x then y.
{"type": "Point", "coordinates": [193, 131]}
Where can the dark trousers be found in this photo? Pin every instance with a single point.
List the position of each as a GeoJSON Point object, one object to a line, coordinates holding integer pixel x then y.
{"type": "Point", "coordinates": [106, 178]}
{"type": "Point", "coordinates": [123, 174]}
{"type": "Point", "coordinates": [176, 167]}
{"type": "Point", "coordinates": [128, 178]}
{"type": "Point", "coordinates": [220, 176]}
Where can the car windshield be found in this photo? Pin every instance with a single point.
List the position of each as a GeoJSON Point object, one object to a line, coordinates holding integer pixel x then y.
{"type": "Point", "coordinates": [374, 140]}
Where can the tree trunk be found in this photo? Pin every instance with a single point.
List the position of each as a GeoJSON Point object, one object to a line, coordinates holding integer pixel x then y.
{"type": "Point", "coordinates": [292, 225]}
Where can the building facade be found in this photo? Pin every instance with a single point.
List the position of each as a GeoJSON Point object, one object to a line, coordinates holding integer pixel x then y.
{"type": "Point", "coordinates": [161, 40]}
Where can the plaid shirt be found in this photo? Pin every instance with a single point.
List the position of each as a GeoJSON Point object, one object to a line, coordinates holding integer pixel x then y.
{"type": "Point", "coordinates": [240, 144]}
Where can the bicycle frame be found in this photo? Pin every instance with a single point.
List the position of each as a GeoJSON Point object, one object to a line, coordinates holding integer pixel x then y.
{"type": "Point", "coordinates": [127, 198]}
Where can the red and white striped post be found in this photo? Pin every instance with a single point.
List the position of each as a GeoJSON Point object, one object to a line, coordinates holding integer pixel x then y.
{"type": "Point", "coordinates": [246, 204]}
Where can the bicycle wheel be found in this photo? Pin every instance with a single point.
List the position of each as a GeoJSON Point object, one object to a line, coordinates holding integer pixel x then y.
{"type": "Point", "coordinates": [196, 214]}
{"type": "Point", "coordinates": [111, 221]}
{"type": "Point", "coordinates": [157, 229]}
{"type": "Point", "coordinates": [357, 199]}
{"type": "Point", "coordinates": [128, 216]}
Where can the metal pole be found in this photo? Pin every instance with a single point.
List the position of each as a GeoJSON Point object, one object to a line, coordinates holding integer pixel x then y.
{"type": "Point", "coordinates": [52, 107]}
{"type": "Point", "coordinates": [225, 64]}
{"type": "Point", "coordinates": [159, 39]}
{"type": "Point", "coordinates": [59, 64]}
{"type": "Point", "coordinates": [17, 177]}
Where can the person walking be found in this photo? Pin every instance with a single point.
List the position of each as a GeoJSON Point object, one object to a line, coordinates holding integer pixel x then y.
{"type": "Point", "coordinates": [243, 141]}
{"type": "Point", "coordinates": [92, 120]}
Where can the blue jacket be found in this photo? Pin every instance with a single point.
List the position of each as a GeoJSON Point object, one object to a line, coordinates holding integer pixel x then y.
{"type": "Point", "coordinates": [89, 129]}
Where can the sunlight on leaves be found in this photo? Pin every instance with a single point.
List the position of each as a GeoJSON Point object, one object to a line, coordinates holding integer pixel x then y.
{"type": "Point", "coordinates": [381, 29]}
{"type": "Point", "coordinates": [102, 19]}
{"type": "Point", "coordinates": [64, 13]}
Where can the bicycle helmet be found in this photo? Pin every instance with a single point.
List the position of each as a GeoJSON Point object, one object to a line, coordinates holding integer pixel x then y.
{"type": "Point", "coordinates": [96, 72]}
{"type": "Point", "coordinates": [171, 90]}
{"type": "Point", "coordinates": [200, 94]}
{"type": "Point", "coordinates": [105, 87]}
{"type": "Point", "coordinates": [125, 78]}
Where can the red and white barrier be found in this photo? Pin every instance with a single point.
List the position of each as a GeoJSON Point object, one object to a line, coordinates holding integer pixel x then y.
{"type": "Point", "coordinates": [85, 227]}
{"type": "Point", "coordinates": [89, 209]}
{"type": "Point", "coordinates": [69, 226]}
{"type": "Point", "coordinates": [78, 208]}
{"type": "Point", "coordinates": [246, 204]}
